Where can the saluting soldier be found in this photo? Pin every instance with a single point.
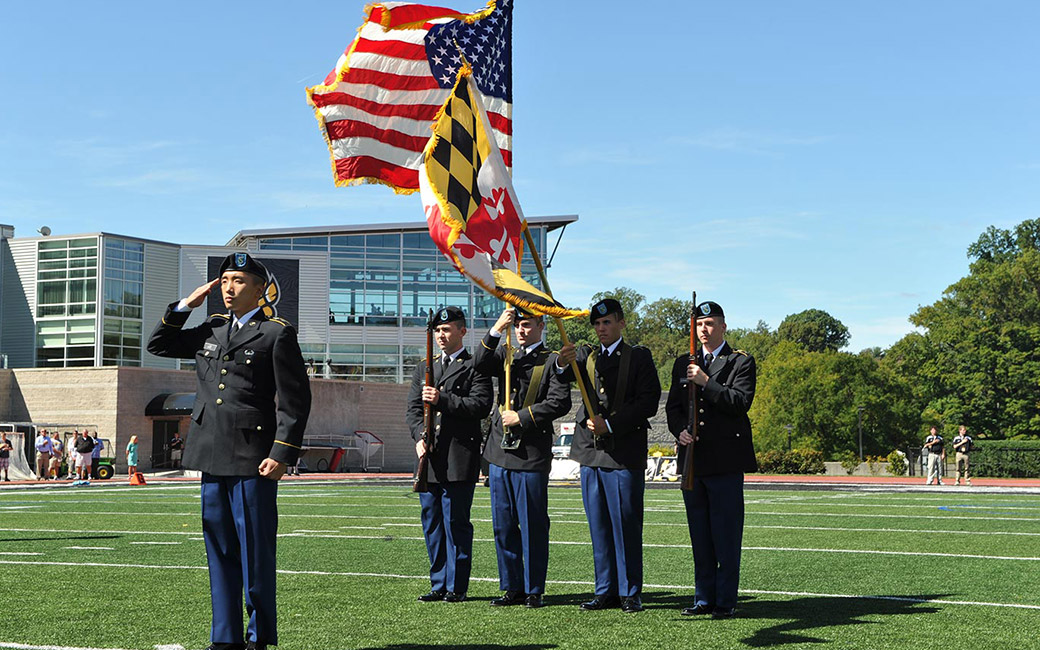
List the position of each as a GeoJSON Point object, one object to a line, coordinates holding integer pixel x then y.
{"type": "Point", "coordinates": [519, 454]}
{"type": "Point", "coordinates": [460, 398]}
{"type": "Point", "coordinates": [725, 381]}
{"type": "Point", "coordinates": [240, 439]}
{"type": "Point", "coordinates": [610, 445]}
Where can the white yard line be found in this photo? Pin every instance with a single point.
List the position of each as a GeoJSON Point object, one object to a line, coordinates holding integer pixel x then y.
{"type": "Point", "coordinates": [687, 547]}
{"type": "Point", "coordinates": [358, 574]}
{"type": "Point", "coordinates": [89, 548]}
{"type": "Point", "coordinates": [19, 553]}
{"type": "Point", "coordinates": [159, 543]}
{"type": "Point", "coordinates": [25, 646]}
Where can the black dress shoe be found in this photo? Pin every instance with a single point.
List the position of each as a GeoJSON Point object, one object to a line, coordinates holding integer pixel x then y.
{"type": "Point", "coordinates": [697, 610]}
{"type": "Point", "coordinates": [534, 601]}
{"type": "Point", "coordinates": [724, 612]}
{"type": "Point", "coordinates": [255, 645]}
{"type": "Point", "coordinates": [432, 597]}
{"type": "Point", "coordinates": [226, 646]}
{"type": "Point", "coordinates": [509, 598]}
{"type": "Point", "coordinates": [631, 604]}
{"type": "Point", "coordinates": [453, 597]}
{"type": "Point", "coordinates": [601, 602]}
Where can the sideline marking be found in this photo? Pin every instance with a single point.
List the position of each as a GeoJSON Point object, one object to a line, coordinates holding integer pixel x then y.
{"type": "Point", "coordinates": [25, 646]}
{"type": "Point", "coordinates": [89, 548]}
{"type": "Point", "coordinates": [160, 543]}
{"type": "Point", "coordinates": [19, 553]}
{"type": "Point", "coordinates": [359, 574]}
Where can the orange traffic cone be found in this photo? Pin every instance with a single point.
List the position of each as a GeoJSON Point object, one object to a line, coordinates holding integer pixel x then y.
{"type": "Point", "coordinates": [137, 479]}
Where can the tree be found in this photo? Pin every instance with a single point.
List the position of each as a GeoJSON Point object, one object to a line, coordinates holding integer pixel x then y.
{"type": "Point", "coordinates": [818, 393]}
{"type": "Point", "coordinates": [978, 362]}
{"type": "Point", "coordinates": [815, 330]}
{"type": "Point", "coordinates": [665, 330]}
{"type": "Point", "coordinates": [757, 342]}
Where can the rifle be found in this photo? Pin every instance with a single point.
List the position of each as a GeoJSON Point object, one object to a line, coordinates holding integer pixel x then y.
{"type": "Point", "coordinates": [421, 483]}
{"type": "Point", "coordinates": [691, 428]}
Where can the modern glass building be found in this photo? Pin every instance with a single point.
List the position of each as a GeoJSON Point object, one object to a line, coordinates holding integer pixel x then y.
{"type": "Point", "coordinates": [365, 293]}
{"type": "Point", "coordinates": [384, 281]}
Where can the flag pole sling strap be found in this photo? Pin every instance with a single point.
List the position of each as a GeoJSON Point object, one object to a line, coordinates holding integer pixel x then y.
{"type": "Point", "coordinates": [559, 322]}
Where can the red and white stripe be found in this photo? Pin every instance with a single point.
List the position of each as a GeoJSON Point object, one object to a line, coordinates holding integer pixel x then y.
{"type": "Point", "coordinates": [377, 116]}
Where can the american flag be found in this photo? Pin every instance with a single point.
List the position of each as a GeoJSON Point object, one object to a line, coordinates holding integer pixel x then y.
{"type": "Point", "coordinates": [377, 106]}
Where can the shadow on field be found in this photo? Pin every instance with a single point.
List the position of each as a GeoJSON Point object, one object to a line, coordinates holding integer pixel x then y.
{"type": "Point", "coordinates": [806, 614]}
{"type": "Point", "coordinates": [409, 646]}
{"type": "Point", "coordinates": [474, 646]}
{"type": "Point", "coordinates": [57, 538]}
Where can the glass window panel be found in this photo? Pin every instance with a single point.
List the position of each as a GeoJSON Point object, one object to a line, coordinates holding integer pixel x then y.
{"type": "Point", "coordinates": [113, 310]}
{"type": "Point", "coordinates": [113, 265]}
{"type": "Point", "coordinates": [51, 275]}
{"type": "Point", "coordinates": [110, 352]}
{"type": "Point", "coordinates": [50, 340]}
{"type": "Point", "coordinates": [133, 248]}
{"type": "Point", "coordinates": [81, 325]}
{"type": "Point", "coordinates": [113, 290]}
{"type": "Point", "coordinates": [132, 312]}
{"type": "Point", "coordinates": [132, 341]}
{"type": "Point", "coordinates": [57, 310]}
{"type": "Point", "coordinates": [53, 255]}
{"type": "Point", "coordinates": [79, 352]}
{"type": "Point", "coordinates": [50, 266]}
{"type": "Point", "coordinates": [81, 338]}
{"type": "Point", "coordinates": [136, 267]}
{"type": "Point", "coordinates": [348, 240]}
{"type": "Point", "coordinates": [381, 349]}
{"type": "Point", "coordinates": [114, 245]}
{"type": "Point", "coordinates": [110, 338]}
{"type": "Point", "coordinates": [53, 244]}
{"type": "Point", "coordinates": [80, 243]}
{"type": "Point", "coordinates": [346, 348]}
{"type": "Point", "coordinates": [51, 293]}
{"type": "Point", "coordinates": [78, 363]}
{"type": "Point", "coordinates": [132, 326]}
{"type": "Point", "coordinates": [347, 358]}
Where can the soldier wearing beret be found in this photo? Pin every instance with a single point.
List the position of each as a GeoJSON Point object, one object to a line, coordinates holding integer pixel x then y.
{"type": "Point", "coordinates": [241, 440]}
{"type": "Point", "coordinates": [460, 398]}
{"type": "Point", "coordinates": [520, 454]}
{"type": "Point", "coordinates": [610, 444]}
{"type": "Point", "coordinates": [725, 384]}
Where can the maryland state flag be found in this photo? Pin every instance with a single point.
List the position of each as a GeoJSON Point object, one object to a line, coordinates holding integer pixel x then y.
{"type": "Point", "coordinates": [471, 208]}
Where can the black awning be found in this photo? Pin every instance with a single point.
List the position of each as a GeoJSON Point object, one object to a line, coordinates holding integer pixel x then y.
{"type": "Point", "coordinates": [170, 404]}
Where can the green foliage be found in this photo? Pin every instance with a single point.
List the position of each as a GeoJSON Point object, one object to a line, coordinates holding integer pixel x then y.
{"type": "Point", "coordinates": [896, 463]}
{"type": "Point", "coordinates": [818, 392]}
{"type": "Point", "coordinates": [874, 464]}
{"type": "Point", "coordinates": [796, 461]}
{"type": "Point", "coordinates": [758, 342]}
{"type": "Point", "coordinates": [665, 329]}
{"type": "Point", "coordinates": [1006, 458]}
{"type": "Point", "coordinates": [815, 330]}
{"type": "Point", "coordinates": [849, 461]}
{"type": "Point", "coordinates": [664, 450]}
{"type": "Point", "coordinates": [978, 361]}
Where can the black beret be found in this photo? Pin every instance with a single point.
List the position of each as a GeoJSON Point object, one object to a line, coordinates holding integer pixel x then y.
{"type": "Point", "coordinates": [448, 315]}
{"type": "Point", "coordinates": [245, 263]}
{"type": "Point", "coordinates": [605, 307]}
{"type": "Point", "coordinates": [707, 309]}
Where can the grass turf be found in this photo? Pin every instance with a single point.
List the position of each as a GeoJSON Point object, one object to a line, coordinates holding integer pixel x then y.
{"type": "Point", "coordinates": [353, 561]}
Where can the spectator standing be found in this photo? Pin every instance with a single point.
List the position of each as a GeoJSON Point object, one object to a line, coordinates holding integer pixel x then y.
{"type": "Point", "coordinates": [57, 451]}
{"type": "Point", "coordinates": [933, 444]}
{"type": "Point", "coordinates": [5, 455]}
{"type": "Point", "coordinates": [176, 449]}
{"type": "Point", "coordinates": [962, 444]}
{"type": "Point", "coordinates": [131, 457]}
{"type": "Point", "coordinates": [95, 456]}
{"type": "Point", "coordinates": [84, 449]}
{"type": "Point", "coordinates": [43, 454]}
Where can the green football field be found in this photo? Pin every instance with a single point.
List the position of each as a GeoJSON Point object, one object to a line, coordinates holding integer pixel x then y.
{"type": "Point", "coordinates": [120, 567]}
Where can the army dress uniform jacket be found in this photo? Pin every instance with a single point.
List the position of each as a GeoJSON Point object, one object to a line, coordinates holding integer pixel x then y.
{"type": "Point", "coordinates": [551, 401]}
{"type": "Point", "coordinates": [628, 414]}
{"type": "Point", "coordinates": [466, 398]}
{"type": "Point", "coordinates": [724, 430]}
{"type": "Point", "coordinates": [235, 423]}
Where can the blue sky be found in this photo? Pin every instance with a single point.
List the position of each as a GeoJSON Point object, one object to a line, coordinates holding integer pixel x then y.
{"type": "Point", "coordinates": [774, 156]}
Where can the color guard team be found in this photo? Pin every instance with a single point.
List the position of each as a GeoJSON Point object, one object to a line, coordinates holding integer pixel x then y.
{"type": "Point", "coordinates": [253, 401]}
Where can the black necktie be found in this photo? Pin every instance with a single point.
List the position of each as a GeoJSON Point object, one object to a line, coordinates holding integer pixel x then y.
{"type": "Point", "coordinates": [707, 360]}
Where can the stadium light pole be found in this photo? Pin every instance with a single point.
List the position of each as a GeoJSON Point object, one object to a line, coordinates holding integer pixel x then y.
{"type": "Point", "coordinates": [860, 410]}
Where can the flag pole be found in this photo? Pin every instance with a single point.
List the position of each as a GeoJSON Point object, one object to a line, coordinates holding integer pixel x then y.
{"type": "Point", "coordinates": [559, 322]}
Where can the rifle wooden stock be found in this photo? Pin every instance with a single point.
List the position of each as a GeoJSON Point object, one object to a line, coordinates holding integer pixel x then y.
{"type": "Point", "coordinates": [421, 482]}
{"type": "Point", "coordinates": [691, 427]}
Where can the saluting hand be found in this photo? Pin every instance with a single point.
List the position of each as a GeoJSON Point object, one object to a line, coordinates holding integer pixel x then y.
{"type": "Point", "coordinates": [198, 296]}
